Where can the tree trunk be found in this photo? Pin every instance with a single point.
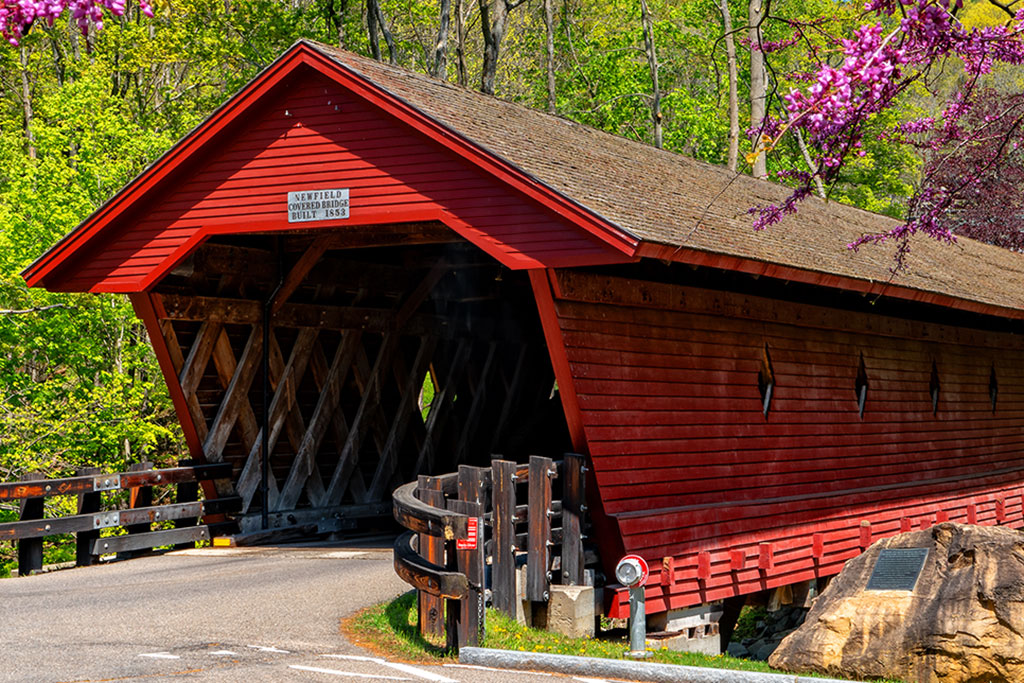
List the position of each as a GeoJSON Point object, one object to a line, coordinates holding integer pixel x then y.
{"type": "Point", "coordinates": [26, 102]}
{"type": "Point", "coordinates": [376, 24]}
{"type": "Point", "coordinates": [758, 87]}
{"type": "Point", "coordinates": [460, 45]}
{"type": "Point", "coordinates": [386, 31]}
{"type": "Point", "coordinates": [734, 103]}
{"type": "Point", "coordinates": [493, 30]}
{"type": "Point", "coordinates": [549, 26]}
{"type": "Point", "coordinates": [652, 63]}
{"type": "Point", "coordinates": [439, 69]}
{"type": "Point", "coordinates": [371, 28]}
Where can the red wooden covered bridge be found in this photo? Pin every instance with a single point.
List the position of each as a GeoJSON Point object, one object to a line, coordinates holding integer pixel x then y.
{"type": "Point", "coordinates": [755, 407]}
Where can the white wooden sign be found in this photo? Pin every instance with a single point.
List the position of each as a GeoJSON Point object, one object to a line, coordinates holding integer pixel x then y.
{"type": "Point", "coordinates": [317, 205]}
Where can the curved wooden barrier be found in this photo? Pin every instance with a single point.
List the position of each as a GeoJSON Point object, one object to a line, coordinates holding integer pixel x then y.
{"type": "Point", "coordinates": [414, 514]}
{"type": "Point", "coordinates": [427, 576]}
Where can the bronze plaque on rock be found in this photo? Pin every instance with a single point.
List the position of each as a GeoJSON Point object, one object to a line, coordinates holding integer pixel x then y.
{"type": "Point", "coordinates": [897, 569]}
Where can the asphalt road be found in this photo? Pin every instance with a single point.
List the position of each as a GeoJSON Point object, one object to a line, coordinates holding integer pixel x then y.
{"type": "Point", "coordinates": [260, 614]}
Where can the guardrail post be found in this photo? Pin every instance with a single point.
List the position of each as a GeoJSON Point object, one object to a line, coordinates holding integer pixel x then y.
{"type": "Point", "coordinates": [88, 503]}
{"type": "Point", "coordinates": [431, 548]}
{"type": "Point", "coordinates": [471, 556]}
{"type": "Point", "coordinates": [30, 550]}
{"type": "Point", "coordinates": [573, 507]}
{"type": "Point", "coordinates": [503, 552]}
{"type": "Point", "coordinates": [138, 497]}
{"type": "Point", "coordinates": [186, 492]}
{"type": "Point", "coordinates": [538, 560]}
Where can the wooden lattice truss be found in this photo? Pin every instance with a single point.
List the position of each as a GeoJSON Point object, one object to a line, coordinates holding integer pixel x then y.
{"type": "Point", "coordinates": [353, 335]}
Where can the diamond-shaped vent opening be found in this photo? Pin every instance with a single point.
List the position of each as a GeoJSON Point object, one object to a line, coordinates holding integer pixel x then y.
{"type": "Point", "coordinates": [993, 388]}
{"type": "Point", "coordinates": [861, 387]}
{"type": "Point", "coordinates": [766, 381]}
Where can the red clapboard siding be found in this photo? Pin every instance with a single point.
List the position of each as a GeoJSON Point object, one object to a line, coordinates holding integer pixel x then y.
{"type": "Point", "coordinates": [686, 463]}
{"type": "Point", "coordinates": [322, 136]}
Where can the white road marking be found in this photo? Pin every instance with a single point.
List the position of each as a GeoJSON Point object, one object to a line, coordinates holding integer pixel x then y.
{"type": "Point", "coordinates": [160, 655]}
{"type": "Point", "coordinates": [356, 658]}
{"type": "Point", "coordinates": [264, 648]}
{"type": "Point", "coordinates": [351, 674]}
{"type": "Point", "coordinates": [589, 680]}
{"type": "Point", "coordinates": [491, 668]}
{"type": "Point", "coordinates": [420, 673]}
{"type": "Point", "coordinates": [221, 653]}
{"type": "Point", "coordinates": [345, 554]}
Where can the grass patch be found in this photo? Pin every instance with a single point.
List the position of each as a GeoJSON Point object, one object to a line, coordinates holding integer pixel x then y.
{"type": "Point", "coordinates": [391, 629]}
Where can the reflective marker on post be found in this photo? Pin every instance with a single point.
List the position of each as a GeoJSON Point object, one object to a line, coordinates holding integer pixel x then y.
{"type": "Point", "coordinates": [469, 543]}
{"type": "Point", "coordinates": [632, 572]}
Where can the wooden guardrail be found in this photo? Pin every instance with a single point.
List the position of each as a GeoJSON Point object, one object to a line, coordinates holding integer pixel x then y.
{"type": "Point", "coordinates": [89, 485]}
{"type": "Point", "coordinates": [456, 522]}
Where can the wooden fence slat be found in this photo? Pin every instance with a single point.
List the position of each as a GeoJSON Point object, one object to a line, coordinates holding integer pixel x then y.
{"type": "Point", "coordinates": [138, 497]}
{"type": "Point", "coordinates": [538, 551]}
{"type": "Point", "coordinates": [573, 503]}
{"type": "Point", "coordinates": [471, 561]}
{"type": "Point", "coordinates": [30, 550]}
{"type": "Point", "coordinates": [431, 548]}
{"type": "Point", "coordinates": [36, 488]}
{"type": "Point", "coordinates": [39, 528]}
{"type": "Point", "coordinates": [149, 540]}
{"type": "Point", "coordinates": [88, 503]}
{"type": "Point", "coordinates": [503, 554]}
{"type": "Point", "coordinates": [187, 492]}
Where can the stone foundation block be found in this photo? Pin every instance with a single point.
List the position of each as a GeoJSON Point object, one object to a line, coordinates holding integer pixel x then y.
{"type": "Point", "coordinates": [572, 611]}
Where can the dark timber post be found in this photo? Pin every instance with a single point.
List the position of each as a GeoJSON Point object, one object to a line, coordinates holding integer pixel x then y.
{"type": "Point", "coordinates": [503, 553]}
{"type": "Point", "coordinates": [88, 503]}
{"type": "Point", "coordinates": [573, 507]}
{"type": "Point", "coordinates": [187, 492]}
{"type": "Point", "coordinates": [431, 548]}
{"type": "Point", "coordinates": [471, 560]}
{"type": "Point", "coordinates": [30, 550]}
{"type": "Point", "coordinates": [138, 497]}
{"type": "Point", "coordinates": [542, 471]}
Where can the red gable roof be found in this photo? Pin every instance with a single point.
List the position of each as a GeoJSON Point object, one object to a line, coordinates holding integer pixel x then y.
{"type": "Point", "coordinates": [292, 129]}
{"type": "Point", "coordinates": [589, 197]}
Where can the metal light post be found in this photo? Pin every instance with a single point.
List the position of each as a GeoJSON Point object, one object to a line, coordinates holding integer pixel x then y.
{"type": "Point", "coordinates": [632, 572]}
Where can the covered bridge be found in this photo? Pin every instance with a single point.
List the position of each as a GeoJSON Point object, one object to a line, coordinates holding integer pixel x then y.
{"type": "Point", "coordinates": [755, 407]}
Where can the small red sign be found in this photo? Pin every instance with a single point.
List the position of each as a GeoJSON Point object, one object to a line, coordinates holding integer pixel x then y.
{"type": "Point", "coordinates": [468, 543]}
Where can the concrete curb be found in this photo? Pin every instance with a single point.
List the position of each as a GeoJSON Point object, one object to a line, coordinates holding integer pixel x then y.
{"type": "Point", "coordinates": [594, 667]}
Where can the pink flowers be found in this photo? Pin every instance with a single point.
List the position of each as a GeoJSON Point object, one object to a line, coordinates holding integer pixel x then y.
{"type": "Point", "coordinates": [834, 109]}
{"type": "Point", "coordinates": [18, 16]}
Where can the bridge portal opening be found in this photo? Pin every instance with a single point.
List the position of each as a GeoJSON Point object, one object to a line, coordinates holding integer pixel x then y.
{"type": "Point", "coordinates": [391, 351]}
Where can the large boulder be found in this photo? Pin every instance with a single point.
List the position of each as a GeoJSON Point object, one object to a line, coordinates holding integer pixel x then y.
{"type": "Point", "coordinates": [962, 622]}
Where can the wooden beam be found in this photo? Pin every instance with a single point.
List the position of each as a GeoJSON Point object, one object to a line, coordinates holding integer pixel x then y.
{"type": "Point", "coordinates": [327, 404]}
{"type": "Point", "coordinates": [225, 364]}
{"type": "Point", "coordinates": [394, 235]}
{"type": "Point", "coordinates": [174, 351]}
{"type": "Point", "coordinates": [419, 295]}
{"type": "Point", "coordinates": [349, 456]}
{"type": "Point", "coordinates": [236, 395]}
{"type": "Point", "coordinates": [512, 395]}
{"type": "Point", "coordinates": [284, 397]}
{"type": "Point", "coordinates": [472, 421]}
{"type": "Point", "coordinates": [299, 271]}
{"type": "Point", "coordinates": [199, 356]}
{"type": "Point", "coordinates": [441, 408]}
{"type": "Point", "coordinates": [250, 312]}
{"type": "Point", "coordinates": [407, 409]}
